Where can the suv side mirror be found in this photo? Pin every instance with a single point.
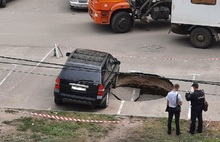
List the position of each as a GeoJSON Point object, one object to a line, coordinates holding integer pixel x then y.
{"type": "Point", "coordinates": [68, 54]}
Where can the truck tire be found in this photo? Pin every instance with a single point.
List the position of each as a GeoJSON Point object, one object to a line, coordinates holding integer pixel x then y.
{"type": "Point", "coordinates": [201, 37]}
{"type": "Point", "coordinates": [2, 3]}
{"type": "Point", "coordinates": [121, 22]}
{"type": "Point", "coordinates": [58, 101]}
{"type": "Point", "coordinates": [106, 101]}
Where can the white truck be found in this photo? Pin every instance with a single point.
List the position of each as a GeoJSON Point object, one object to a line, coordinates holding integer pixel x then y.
{"type": "Point", "coordinates": [197, 18]}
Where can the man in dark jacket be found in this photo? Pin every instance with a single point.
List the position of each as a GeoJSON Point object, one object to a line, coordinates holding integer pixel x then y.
{"type": "Point", "coordinates": [197, 101]}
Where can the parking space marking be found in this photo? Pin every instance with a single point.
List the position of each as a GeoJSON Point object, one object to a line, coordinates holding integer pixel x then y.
{"type": "Point", "coordinates": [133, 94]}
{"type": "Point", "coordinates": [42, 59]}
{"type": "Point", "coordinates": [31, 70]}
{"type": "Point", "coordinates": [4, 79]}
{"type": "Point", "coordinates": [120, 108]}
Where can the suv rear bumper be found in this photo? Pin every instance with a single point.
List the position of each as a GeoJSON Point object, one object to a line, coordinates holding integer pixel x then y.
{"type": "Point", "coordinates": [79, 99]}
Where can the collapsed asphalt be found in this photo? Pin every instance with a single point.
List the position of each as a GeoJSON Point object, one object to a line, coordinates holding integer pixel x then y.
{"type": "Point", "coordinates": [147, 83]}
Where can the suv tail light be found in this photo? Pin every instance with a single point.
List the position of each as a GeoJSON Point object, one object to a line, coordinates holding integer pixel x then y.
{"type": "Point", "coordinates": [57, 85]}
{"type": "Point", "coordinates": [101, 90]}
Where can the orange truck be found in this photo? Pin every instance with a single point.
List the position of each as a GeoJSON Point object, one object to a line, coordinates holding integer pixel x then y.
{"type": "Point", "coordinates": [121, 14]}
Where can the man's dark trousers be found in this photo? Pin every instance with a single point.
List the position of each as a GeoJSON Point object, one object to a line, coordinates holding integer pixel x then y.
{"type": "Point", "coordinates": [172, 112]}
{"type": "Point", "coordinates": [196, 112]}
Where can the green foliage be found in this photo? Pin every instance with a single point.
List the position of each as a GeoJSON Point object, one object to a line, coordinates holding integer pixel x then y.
{"type": "Point", "coordinates": [41, 129]}
{"type": "Point", "coordinates": [155, 130]}
{"type": "Point", "coordinates": [150, 130]}
{"type": "Point", "coordinates": [26, 123]}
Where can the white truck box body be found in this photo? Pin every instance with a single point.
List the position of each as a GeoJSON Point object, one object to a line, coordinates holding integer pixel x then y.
{"type": "Point", "coordinates": [185, 12]}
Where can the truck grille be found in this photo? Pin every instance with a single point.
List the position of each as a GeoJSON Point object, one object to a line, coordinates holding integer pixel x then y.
{"type": "Point", "coordinates": [83, 1]}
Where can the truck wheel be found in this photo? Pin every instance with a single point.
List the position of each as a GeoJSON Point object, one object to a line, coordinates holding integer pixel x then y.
{"type": "Point", "coordinates": [2, 3]}
{"type": "Point", "coordinates": [58, 101]}
{"type": "Point", "coordinates": [121, 22]}
{"type": "Point", "coordinates": [106, 101]}
{"type": "Point", "coordinates": [201, 37]}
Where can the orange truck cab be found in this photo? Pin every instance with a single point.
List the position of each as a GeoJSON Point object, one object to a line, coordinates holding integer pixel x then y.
{"type": "Point", "coordinates": [104, 11]}
{"type": "Point", "coordinates": [121, 14]}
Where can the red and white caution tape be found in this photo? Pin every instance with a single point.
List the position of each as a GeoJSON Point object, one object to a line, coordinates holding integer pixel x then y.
{"type": "Point", "coordinates": [212, 59]}
{"type": "Point", "coordinates": [56, 117]}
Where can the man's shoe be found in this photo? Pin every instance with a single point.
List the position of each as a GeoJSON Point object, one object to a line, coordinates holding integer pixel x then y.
{"type": "Point", "coordinates": [192, 133]}
{"type": "Point", "coordinates": [169, 132]}
{"type": "Point", "coordinates": [179, 133]}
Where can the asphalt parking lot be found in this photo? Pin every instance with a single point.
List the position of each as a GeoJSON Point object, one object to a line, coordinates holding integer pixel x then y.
{"type": "Point", "coordinates": [29, 30]}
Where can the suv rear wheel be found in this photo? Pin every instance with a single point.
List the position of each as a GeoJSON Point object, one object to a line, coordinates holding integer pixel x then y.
{"type": "Point", "coordinates": [58, 101]}
{"type": "Point", "coordinates": [106, 101]}
{"type": "Point", "coordinates": [2, 3]}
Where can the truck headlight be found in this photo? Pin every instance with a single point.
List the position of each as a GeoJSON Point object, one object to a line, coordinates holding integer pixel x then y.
{"type": "Point", "coordinates": [96, 15]}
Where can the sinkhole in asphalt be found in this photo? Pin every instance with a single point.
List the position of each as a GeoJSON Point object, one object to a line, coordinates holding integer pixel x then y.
{"type": "Point", "coordinates": [141, 87]}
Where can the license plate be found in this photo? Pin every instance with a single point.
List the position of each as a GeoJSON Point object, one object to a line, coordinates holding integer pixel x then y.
{"type": "Point", "coordinates": [82, 5]}
{"type": "Point", "coordinates": [78, 88]}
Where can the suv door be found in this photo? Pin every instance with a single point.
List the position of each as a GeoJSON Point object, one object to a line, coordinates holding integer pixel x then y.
{"type": "Point", "coordinates": [109, 72]}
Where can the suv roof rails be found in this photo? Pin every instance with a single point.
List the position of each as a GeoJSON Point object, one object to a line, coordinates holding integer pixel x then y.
{"type": "Point", "coordinates": [87, 56]}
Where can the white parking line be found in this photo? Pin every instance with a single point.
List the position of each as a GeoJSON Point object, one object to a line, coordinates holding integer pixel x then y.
{"type": "Point", "coordinates": [31, 70]}
{"type": "Point", "coordinates": [42, 59]}
{"type": "Point", "coordinates": [121, 106]}
{"type": "Point", "coordinates": [4, 79]}
{"type": "Point", "coordinates": [133, 94]}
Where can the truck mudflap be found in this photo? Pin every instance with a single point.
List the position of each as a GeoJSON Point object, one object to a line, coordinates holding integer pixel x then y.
{"type": "Point", "coordinates": [179, 29]}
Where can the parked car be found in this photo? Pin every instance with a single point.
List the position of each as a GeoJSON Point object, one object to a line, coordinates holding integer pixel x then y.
{"type": "Point", "coordinates": [79, 4]}
{"type": "Point", "coordinates": [3, 3]}
{"type": "Point", "coordinates": [87, 78]}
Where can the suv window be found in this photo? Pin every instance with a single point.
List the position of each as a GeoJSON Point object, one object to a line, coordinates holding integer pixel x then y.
{"type": "Point", "coordinates": [80, 74]}
{"type": "Point", "coordinates": [208, 2]}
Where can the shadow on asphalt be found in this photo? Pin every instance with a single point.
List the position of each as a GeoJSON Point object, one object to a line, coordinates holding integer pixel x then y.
{"type": "Point", "coordinates": [185, 41]}
{"type": "Point", "coordinates": [101, 29]}
{"type": "Point", "coordinates": [139, 26]}
{"type": "Point", "coordinates": [79, 10]}
{"type": "Point", "coordinates": [153, 25]}
{"type": "Point", "coordinates": [69, 106]}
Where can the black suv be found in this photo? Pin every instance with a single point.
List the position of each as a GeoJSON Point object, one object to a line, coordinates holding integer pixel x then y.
{"type": "Point", "coordinates": [87, 78]}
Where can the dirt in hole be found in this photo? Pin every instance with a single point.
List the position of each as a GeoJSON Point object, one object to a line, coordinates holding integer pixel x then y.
{"type": "Point", "coordinates": [147, 83]}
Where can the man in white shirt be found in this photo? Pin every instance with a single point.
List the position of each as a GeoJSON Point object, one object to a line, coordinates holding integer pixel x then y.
{"type": "Point", "coordinates": [174, 99]}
